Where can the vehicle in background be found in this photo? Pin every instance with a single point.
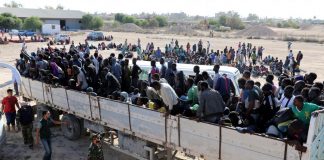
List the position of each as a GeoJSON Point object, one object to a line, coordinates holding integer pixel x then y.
{"type": "Point", "coordinates": [14, 32]}
{"type": "Point", "coordinates": [51, 29]}
{"type": "Point", "coordinates": [26, 33]}
{"type": "Point", "coordinates": [95, 36]}
{"type": "Point", "coordinates": [232, 72]}
{"type": "Point", "coordinates": [61, 37]}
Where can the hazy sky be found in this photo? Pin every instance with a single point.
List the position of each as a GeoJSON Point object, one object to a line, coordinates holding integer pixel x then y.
{"type": "Point", "coordinates": [264, 8]}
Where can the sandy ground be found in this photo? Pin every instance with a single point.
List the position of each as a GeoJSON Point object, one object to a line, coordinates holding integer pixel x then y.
{"type": "Point", "coordinates": [65, 149]}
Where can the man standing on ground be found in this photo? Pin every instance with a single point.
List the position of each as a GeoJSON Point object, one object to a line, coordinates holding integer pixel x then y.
{"type": "Point", "coordinates": [43, 133]}
{"type": "Point", "coordinates": [8, 107]}
{"type": "Point", "coordinates": [95, 149]}
{"type": "Point", "coordinates": [26, 118]}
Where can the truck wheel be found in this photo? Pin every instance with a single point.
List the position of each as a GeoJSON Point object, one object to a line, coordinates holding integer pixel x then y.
{"type": "Point", "coordinates": [72, 130]}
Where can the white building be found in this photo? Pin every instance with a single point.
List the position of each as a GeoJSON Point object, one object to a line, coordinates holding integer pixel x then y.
{"type": "Point", "coordinates": [67, 19]}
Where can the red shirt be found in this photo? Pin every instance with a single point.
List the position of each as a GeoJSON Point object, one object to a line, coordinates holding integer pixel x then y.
{"type": "Point", "coordinates": [9, 104]}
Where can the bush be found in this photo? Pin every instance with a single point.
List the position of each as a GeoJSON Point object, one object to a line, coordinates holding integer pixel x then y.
{"type": "Point", "coordinates": [153, 23]}
{"type": "Point", "coordinates": [141, 22]}
{"type": "Point", "coordinates": [91, 22]}
{"type": "Point", "coordinates": [232, 20]}
{"type": "Point", "coordinates": [128, 19]}
{"type": "Point", "coordinates": [97, 23]}
{"type": "Point", "coordinates": [119, 17]}
{"type": "Point", "coordinates": [32, 23]}
{"type": "Point", "coordinates": [213, 22]}
{"type": "Point", "coordinates": [162, 21]}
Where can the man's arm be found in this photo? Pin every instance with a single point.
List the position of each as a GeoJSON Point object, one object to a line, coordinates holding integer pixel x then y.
{"type": "Point", "coordinates": [2, 108]}
{"type": "Point", "coordinates": [17, 104]}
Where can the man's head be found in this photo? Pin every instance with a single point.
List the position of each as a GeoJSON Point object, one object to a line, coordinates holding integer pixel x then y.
{"type": "Point", "coordinates": [216, 68]}
{"type": "Point", "coordinates": [319, 85]}
{"type": "Point", "coordinates": [204, 85]}
{"type": "Point", "coordinates": [196, 69]}
{"type": "Point", "coordinates": [46, 114]}
{"type": "Point", "coordinates": [126, 62]}
{"type": "Point", "coordinates": [299, 102]}
{"type": "Point", "coordinates": [313, 93]}
{"type": "Point", "coordinates": [267, 89]}
{"type": "Point", "coordinates": [156, 85]}
{"type": "Point", "coordinates": [190, 82]}
{"type": "Point", "coordinates": [311, 77]}
{"type": "Point", "coordinates": [288, 92]}
{"type": "Point", "coordinates": [270, 78]}
{"type": "Point", "coordinates": [134, 61]}
{"type": "Point", "coordinates": [246, 75]}
{"type": "Point", "coordinates": [174, 66]}
{"type": "Point", "coordinates": [9, 92]}
{"type": "Point", "coordinates": [205, 75]}
{"type": "Point", "coordinates": [162, 61]}
{"type": "Point", "coordinates": [241, 83]}
{"type": "Point", "coordinates": [153, 63]}
{"type": "Point", "coordinates": [156, 77]}
{"type": "Point", "coordinates": [249, 84]}
{"type": "Point", "coordinates": [299, 85]}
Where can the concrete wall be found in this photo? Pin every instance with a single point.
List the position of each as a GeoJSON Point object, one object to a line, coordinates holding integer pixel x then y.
{"type": "Point", "coordinates": [73, 24]}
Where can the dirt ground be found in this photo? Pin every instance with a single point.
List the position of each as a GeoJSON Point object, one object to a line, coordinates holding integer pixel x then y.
{"type": "Point", "coordinates": [65, 149]}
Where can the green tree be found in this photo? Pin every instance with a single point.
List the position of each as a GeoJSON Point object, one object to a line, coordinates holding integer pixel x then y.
{"type": "Point", "coordinates": [162, 21]}
{"type": "Point", "coordinates": [32, 23]}
{"type": "Point", "coordinates": [153, 23]}
{"type": "Point", "coordinates": [13, 4]}
{"type": "Point", "coordinates": [141, 22]}
{"type": "Point", "coordinates": [119, 17]}
{"type": "Point", "coordinates": [91, 22]}
{"type": "Point", "coordinates": [252, 17]}
{"type": "Point", "coordinates": [222, 20]}
{"type": "Point", "coordinates": [8, 21]}
{"type": "Point", "coordinates": [128, 19]}
{"type": "Point", "coordinates": [213, 22]}
{"type": "Point", "coordinates": [97, 23]}
{"type": "Point", "coordinates": [86, 21]}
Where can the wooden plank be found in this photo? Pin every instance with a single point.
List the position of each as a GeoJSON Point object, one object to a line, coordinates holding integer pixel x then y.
{"type": "Point", "coordinates": [199, 139]}
{"type": "Point", "coordinates": [114, 114]}
{"type": "Point", "coordinates": [148, 124]}
{"type": "Point", "coordinates": [79, 104]}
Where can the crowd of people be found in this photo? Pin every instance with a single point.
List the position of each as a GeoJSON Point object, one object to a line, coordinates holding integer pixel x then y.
{"type": "Point", "coordinates": [280, 109]}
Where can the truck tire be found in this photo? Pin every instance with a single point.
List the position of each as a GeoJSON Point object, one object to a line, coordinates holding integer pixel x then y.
{"type": "Point", "coordinates": [72, 130]}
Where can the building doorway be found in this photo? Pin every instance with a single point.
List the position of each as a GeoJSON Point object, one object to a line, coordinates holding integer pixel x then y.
{"type": "Point", "coordinates": [63, 24]}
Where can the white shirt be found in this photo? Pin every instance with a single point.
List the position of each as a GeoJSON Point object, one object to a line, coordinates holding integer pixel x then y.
{"type": "Point", "coordinates": [168, 95]}
{"type": "Point", "coordinates": [290, 55]}
{"type": "Point", "coordinates": [284, 101]}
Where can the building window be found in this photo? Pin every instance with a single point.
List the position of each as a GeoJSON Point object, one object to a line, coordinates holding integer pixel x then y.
{"type": "Point", "coordinates": [53, 26]}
